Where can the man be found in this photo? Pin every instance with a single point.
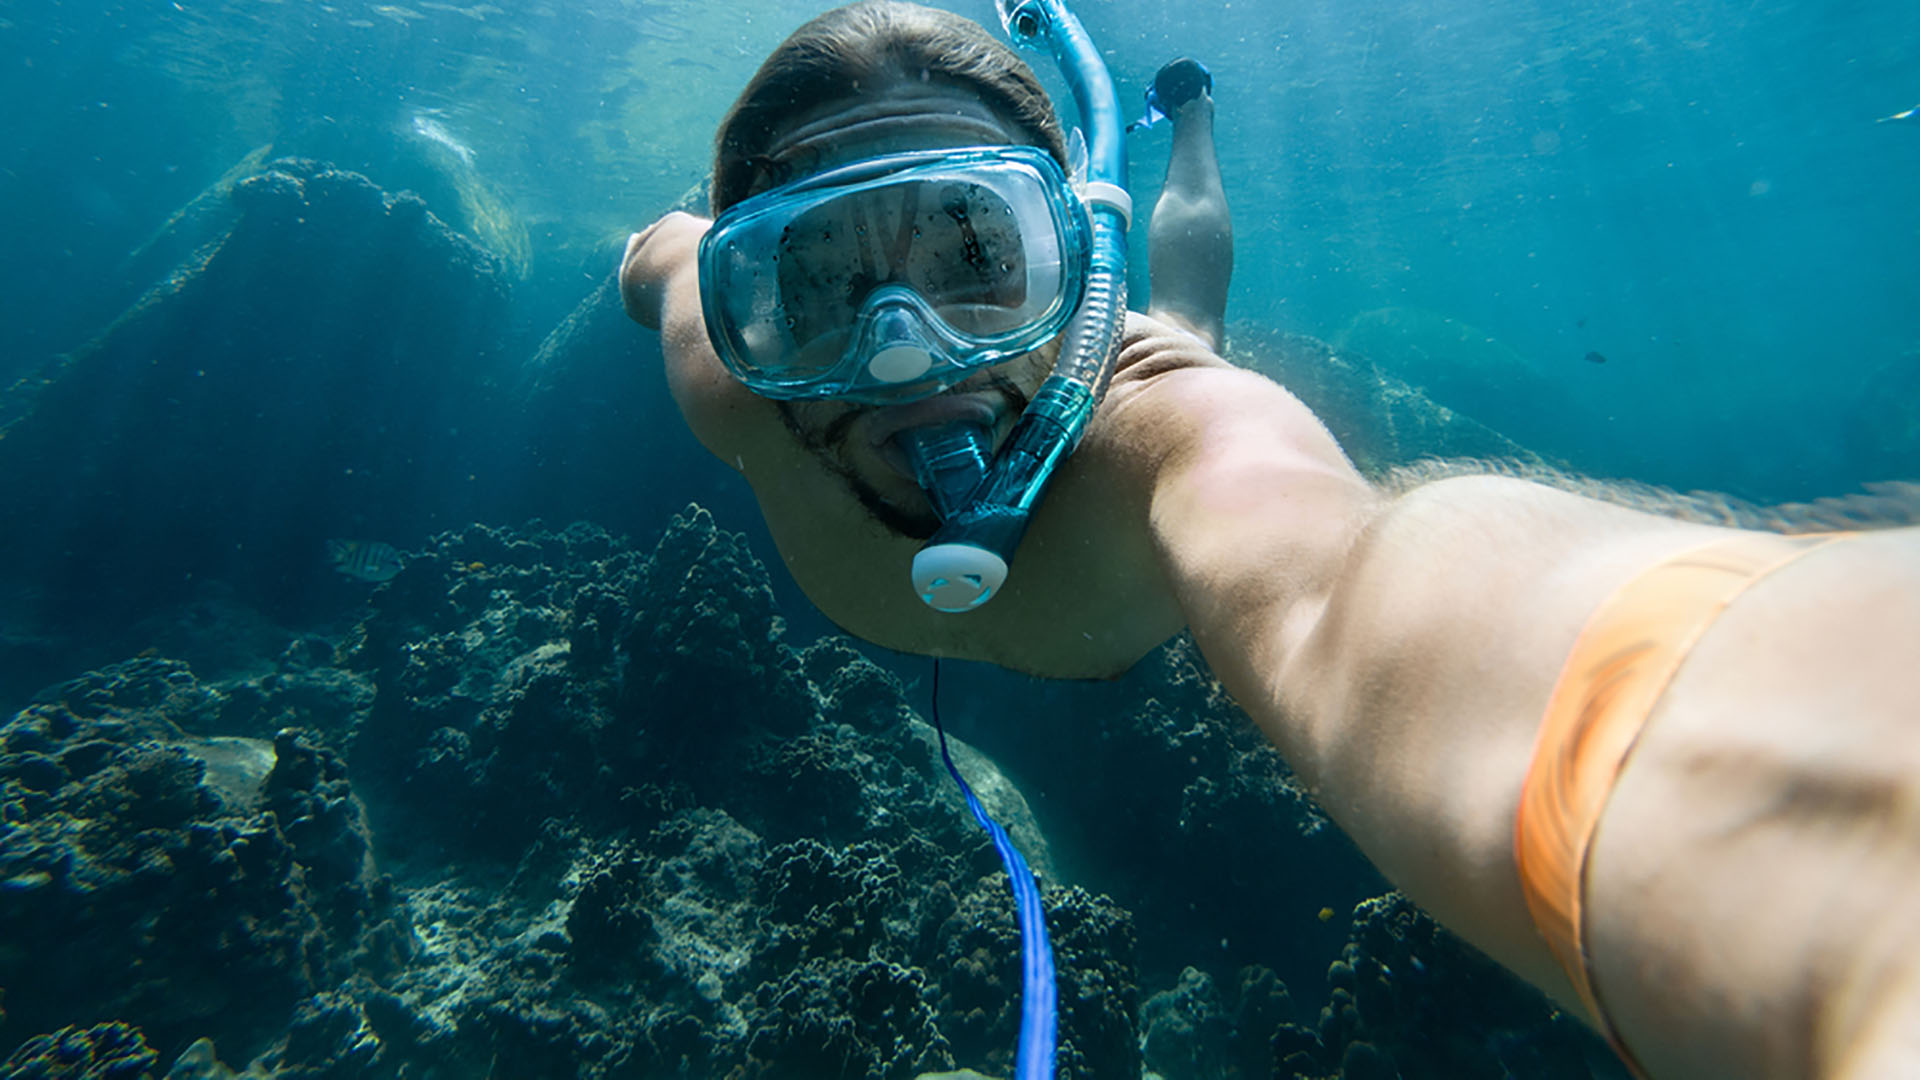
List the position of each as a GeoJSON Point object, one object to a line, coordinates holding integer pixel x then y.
{"type": "Point", "coordinates": [1741, 706]}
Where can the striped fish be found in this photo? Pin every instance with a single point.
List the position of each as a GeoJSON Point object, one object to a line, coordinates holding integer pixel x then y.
{"type": "Point", "coordinates": [367, 560]}
{"type": "Point", "coordinates": [1904, 114]}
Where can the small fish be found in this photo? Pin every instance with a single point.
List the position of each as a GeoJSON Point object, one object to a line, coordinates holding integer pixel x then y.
{"type": "Point", "coordinates": [1326, 914]}
{"type": "Point", "coordinates": [1595, 358]}
{"type": "Point", "coordinates": [367, 560]}
{"type": "Point", "coordinates": [1904, 114]}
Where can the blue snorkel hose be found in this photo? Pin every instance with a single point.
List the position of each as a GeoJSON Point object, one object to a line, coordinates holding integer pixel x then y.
{"type": "Point", "coordinates": [985, 513]}
{"type": "Point", "coordinates": [1033, 1057]}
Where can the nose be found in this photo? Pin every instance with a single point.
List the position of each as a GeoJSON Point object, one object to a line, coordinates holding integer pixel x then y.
{"type": "Point", "coordinates": [901, 356]}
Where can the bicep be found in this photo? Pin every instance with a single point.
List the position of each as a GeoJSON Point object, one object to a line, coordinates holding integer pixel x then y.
{"type": "Point", "coordinates": [1253, 507]}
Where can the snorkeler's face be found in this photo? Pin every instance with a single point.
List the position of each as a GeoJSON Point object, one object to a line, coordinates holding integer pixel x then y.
{"type": "Point", "coordinates": [856, 441]}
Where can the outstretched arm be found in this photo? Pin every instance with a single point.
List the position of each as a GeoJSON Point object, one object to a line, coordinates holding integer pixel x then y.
{"type": "Point", "coordinates": [1401, 652]}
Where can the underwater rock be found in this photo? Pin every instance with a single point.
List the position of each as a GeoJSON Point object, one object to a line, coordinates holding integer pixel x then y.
{"type": "Point", "coordinates": [303, 691]}
{"type": "Point", "coordinates": [846, 1017]}
{"type": "Point", "coordinates": [1380, 419]}
{"type": "Point", "coordinates": [1093, 944]}
{"type": "Point", "coordinates": [487, 721]}
{"type": "Point", "coordinates": [1408, 999]}
{"type": "Point", "coordinates": [729, 854]}
{"type": "Point", "coordinates": [1193, 1032]}
{"type": "Point", "coordinates": [1465, 368]}
{"type": "Point", "coordinates": [324, 359]}
{"type": "Point", "coordinates": [109, 1051]}
{"type": "Point", "coordinates": [1161, 793]}
{"type": "Point", "coordinates": [980, 977]}
{"type": "Point", "coordinates": [524, 677]}
{"type": "Point", "coordinates": [189, 885]}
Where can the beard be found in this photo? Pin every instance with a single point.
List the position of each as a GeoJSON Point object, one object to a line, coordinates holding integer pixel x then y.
{"type": "Point", "coordinates": [827, 443]}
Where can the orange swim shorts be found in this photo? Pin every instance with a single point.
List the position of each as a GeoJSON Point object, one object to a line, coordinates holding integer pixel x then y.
{"type": "Point", "coordinates": [1620, 665]}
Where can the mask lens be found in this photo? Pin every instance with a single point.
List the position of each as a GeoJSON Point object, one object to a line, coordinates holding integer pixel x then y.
{"type": "Point", "coordinates": [964, 247]}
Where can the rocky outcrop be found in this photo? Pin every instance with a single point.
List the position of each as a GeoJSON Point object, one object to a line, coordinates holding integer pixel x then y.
{"type": "Point", "coordinates": [633, 831]}
{"type": "Point", "coordinates": [110, 1051]}
{"type": "Point", "coordinates": [261, 396]}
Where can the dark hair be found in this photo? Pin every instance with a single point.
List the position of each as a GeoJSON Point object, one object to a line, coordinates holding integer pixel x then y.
{"type": "Point", "coordinates": [870, 44]}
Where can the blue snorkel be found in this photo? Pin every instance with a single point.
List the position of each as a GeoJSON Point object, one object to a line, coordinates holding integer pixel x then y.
{"type": "Point", "coordinates": [985, 502]}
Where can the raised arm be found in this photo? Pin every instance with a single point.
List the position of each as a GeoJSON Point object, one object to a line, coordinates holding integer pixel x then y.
{"type": "Point", "coordinates": [660, 287]}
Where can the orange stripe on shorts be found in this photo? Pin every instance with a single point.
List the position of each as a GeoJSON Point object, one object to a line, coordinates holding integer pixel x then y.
{"type": "Point", "coordinates": [1620, 665]}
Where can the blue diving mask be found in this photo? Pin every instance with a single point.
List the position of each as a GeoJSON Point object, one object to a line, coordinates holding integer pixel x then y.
{"type": "Point", "coordinates": [894, 278]}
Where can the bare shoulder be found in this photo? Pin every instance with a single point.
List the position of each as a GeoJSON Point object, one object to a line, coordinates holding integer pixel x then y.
{"type": "Point", "coordinates": [1150, 348]}
{"type": "Point", "coordinates": [1173, 393]}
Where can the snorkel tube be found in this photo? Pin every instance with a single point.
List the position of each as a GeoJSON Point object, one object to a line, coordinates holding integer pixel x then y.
{"type": "Point", "coordinates": [984, 508]}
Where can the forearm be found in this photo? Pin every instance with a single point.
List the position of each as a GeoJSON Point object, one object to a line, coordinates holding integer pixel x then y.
{"type": "Point", "coordinates": [1255, 552]}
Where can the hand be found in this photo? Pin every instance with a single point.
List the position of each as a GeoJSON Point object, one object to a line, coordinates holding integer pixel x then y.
{"type": "Point", "coordinates": [660, 260]}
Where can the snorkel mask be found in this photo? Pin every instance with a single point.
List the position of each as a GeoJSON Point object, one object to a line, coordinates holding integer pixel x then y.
{"type": "Point", "coordinates": [894, 278]}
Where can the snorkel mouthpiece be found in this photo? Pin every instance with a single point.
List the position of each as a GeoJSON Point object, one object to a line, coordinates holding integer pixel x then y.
{"type": "Point", "coordinates": [976, 540]}
{"type": "Point", "coordinates": [949, 461]}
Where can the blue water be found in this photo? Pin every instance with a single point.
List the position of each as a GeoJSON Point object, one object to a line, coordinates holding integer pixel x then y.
{"type": "Point", "coordinates": [1480, 197]}
{"type": "Point", "coordinates": [1696, 191]}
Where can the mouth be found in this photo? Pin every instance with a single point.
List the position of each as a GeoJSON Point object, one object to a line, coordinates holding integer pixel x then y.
{"type": "Point", "coordinates": [982, 407]}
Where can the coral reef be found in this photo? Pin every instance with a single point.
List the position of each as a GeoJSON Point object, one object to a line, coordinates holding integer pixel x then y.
{"type": "Point", "coordinates": [1190, 1032]}
{"type": "Point", "coordinates": [631, 829]}
{"type": "Point", "coordinates": [1407, 999]}
{"type": "Point", "coordinates": [110, 1051]}
{"type": "Point", "coordinates": [188, 885]}
{"type": "Point", "coordinates": [626, 828]}
{"type": "Point", "coordinates": [750, 847]}
{"type": "Point", "coordinates": [1158, 778]}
